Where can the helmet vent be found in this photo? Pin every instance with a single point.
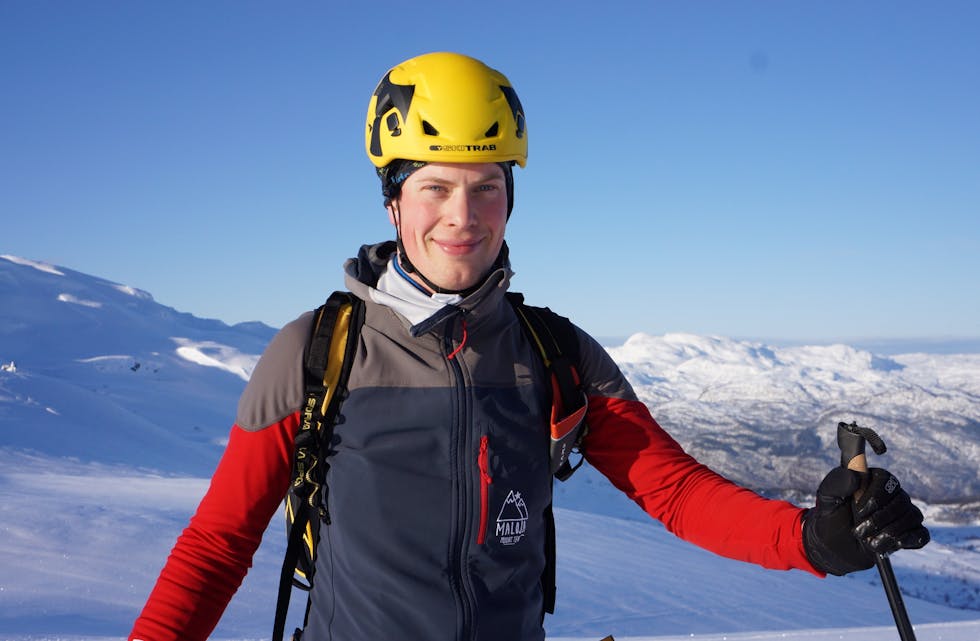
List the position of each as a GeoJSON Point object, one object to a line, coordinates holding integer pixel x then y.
{"type": "Point", "coordinates": [428, 129]}
{"type": "Point", "coordinates": [515, 107]}
{"type": "Point", "coordinates": [392, 122]}
{"type": "Point", "coordinates": [492, 131]}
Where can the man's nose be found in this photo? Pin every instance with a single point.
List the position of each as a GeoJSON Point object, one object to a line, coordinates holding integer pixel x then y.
{"type": "Point", "coordinates": [462, 209]}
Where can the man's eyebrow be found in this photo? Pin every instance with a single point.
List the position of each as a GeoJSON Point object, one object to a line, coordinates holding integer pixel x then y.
{"type": "Point", "coordinates": [446, 181]}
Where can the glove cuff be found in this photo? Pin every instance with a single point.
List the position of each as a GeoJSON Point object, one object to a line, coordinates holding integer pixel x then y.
{"type": "Point", "coordinates": [819, 555]}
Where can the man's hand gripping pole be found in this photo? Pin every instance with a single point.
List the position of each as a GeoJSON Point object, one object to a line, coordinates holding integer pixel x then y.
{"type": "Point", "coordinates": [851, 439]}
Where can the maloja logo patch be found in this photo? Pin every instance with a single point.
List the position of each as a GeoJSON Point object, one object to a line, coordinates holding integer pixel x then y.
{"type": "Point", "coordinates": [512, 520]}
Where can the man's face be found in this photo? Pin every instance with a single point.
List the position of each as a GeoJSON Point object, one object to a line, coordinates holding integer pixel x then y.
{"type": "Point", "coordinates": [452, 218]}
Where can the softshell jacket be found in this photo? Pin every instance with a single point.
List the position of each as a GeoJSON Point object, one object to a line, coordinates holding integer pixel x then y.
{"type": "Point", "coordinates": [439, 480]}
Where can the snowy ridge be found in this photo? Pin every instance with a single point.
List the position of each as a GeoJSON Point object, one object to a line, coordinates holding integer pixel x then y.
{"type": "Point", "coordinates": [113, 414]}
{"type": "Point", "coordinates": [41, 267]}
{"type": "Point", "coordinates": [767, 416]}
{"type": "Point", "coordinates": [102, 372]}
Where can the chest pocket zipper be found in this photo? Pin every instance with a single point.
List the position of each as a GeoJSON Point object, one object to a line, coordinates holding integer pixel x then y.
{"type": "Point", "coordinates": [485, 482]}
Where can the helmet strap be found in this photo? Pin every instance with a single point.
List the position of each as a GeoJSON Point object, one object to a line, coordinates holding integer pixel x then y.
{"type": "Point", "coordinates": [508, 168]}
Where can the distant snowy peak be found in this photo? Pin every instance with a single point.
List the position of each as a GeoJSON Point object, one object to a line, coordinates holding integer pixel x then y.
{"type": "Point", "coordinates": [41, 267]}
{"type": "Point", "coordinates": [767, 416]}
{"type": "Point", "coordinates": [712, 360]}
{"type": "Point", "coordinates": [51, 315]}
{"type": "Point", "coordinates": [73, 279]}
{"type": "Point", "coordinates": [675, 349]}
{"type": "Point", "coordinates": [698, 371]}
{"type": "Point", "coordinates": [132, 291]}
{"type": "Point", "coordinates": [99, 371]}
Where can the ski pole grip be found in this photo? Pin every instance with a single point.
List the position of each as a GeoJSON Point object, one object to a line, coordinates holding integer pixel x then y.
{"type": "Point", "coordinates": [851, 443]}
{"type": "Point", "coordinates": [851, 439]}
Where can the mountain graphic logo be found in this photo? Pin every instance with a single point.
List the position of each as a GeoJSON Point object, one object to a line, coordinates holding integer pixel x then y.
{"type": "Point", "coordinates": [512, 520]}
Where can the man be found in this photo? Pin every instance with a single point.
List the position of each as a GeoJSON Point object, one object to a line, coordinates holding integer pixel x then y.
{"type": "Point", "coordinates": [445, 425]}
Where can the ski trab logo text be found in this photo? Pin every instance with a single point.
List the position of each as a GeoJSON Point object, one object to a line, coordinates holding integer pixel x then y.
{"type": "Point", "coordinates": [512, 520]}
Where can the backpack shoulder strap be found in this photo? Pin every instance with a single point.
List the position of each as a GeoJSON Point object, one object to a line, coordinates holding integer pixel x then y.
{"type": "Point", "coordinates": [333, 339]}
{"type": "Point", "coordinates": [556, 341]}
{"type": "Point", "coordinates": [329, 355]}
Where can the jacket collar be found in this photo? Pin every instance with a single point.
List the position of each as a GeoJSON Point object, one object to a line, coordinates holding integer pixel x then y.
{"type": "Point", "coordinates": [370, 277]}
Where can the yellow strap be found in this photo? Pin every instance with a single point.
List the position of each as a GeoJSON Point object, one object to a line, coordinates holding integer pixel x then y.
{"type": "Point", "coordinates": [335, 357]}
{"type": "Point", "coordinates": [537, 339]}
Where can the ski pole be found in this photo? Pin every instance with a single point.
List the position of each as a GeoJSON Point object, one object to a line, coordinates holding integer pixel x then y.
{"type": "Point", "coordinates": [851, 439]}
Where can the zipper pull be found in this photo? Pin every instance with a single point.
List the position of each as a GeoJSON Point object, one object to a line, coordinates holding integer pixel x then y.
{"type": "Point", "coordinates": [461, 342]}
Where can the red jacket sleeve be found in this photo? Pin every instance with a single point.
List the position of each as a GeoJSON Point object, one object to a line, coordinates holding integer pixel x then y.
{"type": "Point", "coordinates": [627, 445]}
{"type": "Point", "coordinates": [212, 555]}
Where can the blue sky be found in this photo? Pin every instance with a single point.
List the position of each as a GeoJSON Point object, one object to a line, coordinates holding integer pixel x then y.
{"type": "Point", "coordinates": [778, 170]}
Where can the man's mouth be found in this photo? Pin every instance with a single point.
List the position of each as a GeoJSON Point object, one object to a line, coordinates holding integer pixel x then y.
{"type": "Point", "coordinates": [457, 247]}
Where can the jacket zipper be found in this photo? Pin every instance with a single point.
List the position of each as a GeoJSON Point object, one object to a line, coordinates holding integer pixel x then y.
{"type": "Point", "coordinates": [462, 470]}
{"type": "Point", "coordinates": [485, 481]}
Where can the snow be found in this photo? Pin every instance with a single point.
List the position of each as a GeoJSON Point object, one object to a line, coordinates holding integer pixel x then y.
{"type": "Point", "coordinates": [43, 267]}
{"type": "Point", "coordinates": [212, 354]}
{"type": "Point", "coordinates": [115, 414]}
{"type": "Point", "coordinates": [716, 395]}
{"type": "Point", "coordinates": [132, 291]}
{"type": "Point", "coordinates": [68, 298]}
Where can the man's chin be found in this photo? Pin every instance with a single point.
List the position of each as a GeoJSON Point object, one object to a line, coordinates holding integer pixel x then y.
{"type": "Point", "coordinates": [459, 282]}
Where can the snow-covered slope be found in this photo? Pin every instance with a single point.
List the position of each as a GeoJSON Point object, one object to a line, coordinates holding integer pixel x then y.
{"type": "Point", "coordinates": [81, 544]}
{"type": "Point", "coordinates": [99, 371]}
{"type": "Point", "coordinates": [113, 410]}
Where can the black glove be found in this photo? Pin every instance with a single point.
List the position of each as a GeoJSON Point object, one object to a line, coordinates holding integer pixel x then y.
{"type": "Point", "coordinates": [841, 536]}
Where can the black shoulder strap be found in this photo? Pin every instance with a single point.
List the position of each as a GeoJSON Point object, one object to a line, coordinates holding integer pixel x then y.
{"type": "Point", "coordinates": [557, 343]}
{"type": "Point", "coordinates": [329, 354]}
{"type": "Point", "coordinates": [334, 338]}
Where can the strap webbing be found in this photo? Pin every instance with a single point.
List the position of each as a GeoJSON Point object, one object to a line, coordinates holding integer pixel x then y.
{"type": "Point", "coordinates": [330, 352]}
{"type": "Point", "coordinates": [293, 547]}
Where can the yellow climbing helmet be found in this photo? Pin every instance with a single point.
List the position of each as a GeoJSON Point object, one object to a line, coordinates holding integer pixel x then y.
{"type": "Point", "coordinates": [445, 107]}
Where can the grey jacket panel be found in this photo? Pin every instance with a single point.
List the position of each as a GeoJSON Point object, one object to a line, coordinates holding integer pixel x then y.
{"type": "Point", "coordinates": [599, 372]}
{"type": "Point", "coordinates": [275, 389]}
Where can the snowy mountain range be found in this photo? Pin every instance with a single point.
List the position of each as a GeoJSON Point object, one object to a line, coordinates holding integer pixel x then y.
{"type": "Point", "coordinates": [114, 410]}
{"type": "Point", "coordinates": [767, 416]}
